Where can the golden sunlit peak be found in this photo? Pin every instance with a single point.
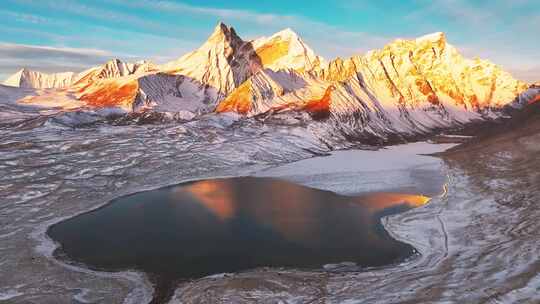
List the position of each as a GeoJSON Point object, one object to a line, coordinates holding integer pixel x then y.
{"type": "Point", "coordinates": [433, 37]}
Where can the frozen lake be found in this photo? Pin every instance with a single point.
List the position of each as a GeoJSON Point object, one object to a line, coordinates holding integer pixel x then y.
{"type": "Point", "coordinates": [205, 227]}
{"type": "Point", "coordinates": [400, 168]}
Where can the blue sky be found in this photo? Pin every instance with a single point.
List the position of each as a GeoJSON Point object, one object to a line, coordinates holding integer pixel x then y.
{"type": "Point", "coordinates": [64, 35]}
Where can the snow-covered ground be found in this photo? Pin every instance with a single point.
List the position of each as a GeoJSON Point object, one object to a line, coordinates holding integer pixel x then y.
{"type": "Point", "coordinates": [395, 168]}
{"type": "Point", "coordinates": [478, 239]}
{"type": "Point", "coordinates": [52, 171]}
{"type": "Point", "coordinates": [478, 243]}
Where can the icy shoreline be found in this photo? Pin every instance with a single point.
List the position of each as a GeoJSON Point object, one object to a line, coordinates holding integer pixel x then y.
{"type": "Point", "coordinates": [54, 172]}
{"type": "Point", "coordinates": [478, 242]}
{"type": "Point", "coordinates": [467, 255]}
{"type": "Point", "coordinates": [228, 288]}
{"type": "Point", "coordinates": [129, 286]}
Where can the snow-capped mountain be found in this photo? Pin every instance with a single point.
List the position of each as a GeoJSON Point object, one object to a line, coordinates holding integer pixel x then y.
{"type": "Point", "coordinates": [408, 87]}
{"type": "Point", "coordinates": [285, 50]}
{"type": "Point", "coordinates": [224, 61]}
{"type": "Point", "coordinates": [26, 78]}
{"type": "Point", "coordinates": [406, 74]}
{"type": "Point", "coordinates": [195, 82]}
{"type": "Point", "coordinates": [114, 68]}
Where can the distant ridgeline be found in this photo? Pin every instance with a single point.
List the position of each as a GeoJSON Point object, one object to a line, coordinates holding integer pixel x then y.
{"type": "Point", "coordinates": [408, 87]}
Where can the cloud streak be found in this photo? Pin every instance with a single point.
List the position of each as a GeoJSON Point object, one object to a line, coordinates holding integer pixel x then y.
{"type": "Point", "coordinates": [458, 10]}
{"type": "Point", "coordinates": [182, 8]}
{"type": "Point", "coordinates": [117, 28]}
{"type": "Point", "coordinates": [47, 59]}
{"type": "Point", "coordinates": [114, 17]}
{"type": "Point", "coordinates": [27, 18]}
{"type": "Point", "coordinates": [336, 41]}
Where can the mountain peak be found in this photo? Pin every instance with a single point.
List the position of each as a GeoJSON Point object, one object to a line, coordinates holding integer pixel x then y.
{"type": "Point", "coordinates": [221, 28]}
{"type": "Point", "coordinates": [223, 32]}
{"type": "Point", "coordinates": [114, 61]}
{"type": "Point", "coordinates": [285, 49]}
{"type": "Point", "coordinates": [286, 33]}
{"type": "Point", "coordinates": [437, 37]}
{"type": "Point", "coordinates": [23, 71]}
{"type": "Point", "coordinates": [27, 78]}
{"type": "Point", "coordinates": [223, 62]}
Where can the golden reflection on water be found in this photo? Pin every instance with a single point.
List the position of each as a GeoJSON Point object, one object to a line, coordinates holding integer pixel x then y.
{"type": "Point", "coordinates": [290, 210]}
{"type": "Point", "coordinates": [378, 201]}
{"type": "Point", "coordinates": [287, 208]}
{"type": "Point", "coordinates": [218, 196]}
{"type": "Point", "coordinates": [226, 225]}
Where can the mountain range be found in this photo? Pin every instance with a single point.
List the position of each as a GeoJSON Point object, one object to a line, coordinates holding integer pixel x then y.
{"type": "Point", "coordinates": [408, 87]}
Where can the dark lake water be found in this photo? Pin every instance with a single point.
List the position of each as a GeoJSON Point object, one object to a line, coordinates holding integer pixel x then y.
{"type": "Point", "coordinates": [227, 225]}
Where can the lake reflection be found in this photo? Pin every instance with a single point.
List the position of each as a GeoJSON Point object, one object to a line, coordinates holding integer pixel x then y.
{"type": "Point", "coordinates": [227, 225]}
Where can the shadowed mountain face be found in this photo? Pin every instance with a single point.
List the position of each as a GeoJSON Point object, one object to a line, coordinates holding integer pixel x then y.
{"type": "Point", "coordinates": [228, 225]}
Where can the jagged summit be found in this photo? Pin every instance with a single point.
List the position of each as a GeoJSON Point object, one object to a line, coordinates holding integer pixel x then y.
{"type": "Point", "coordinates": [433, 37]}
{"type": "Point", "coordinates": [224, 61]}
{"type": "Point", "coordinates": [114, 68]}
{"type": "Point", "coordinates": [224, 32]}
{"type": "Point", "coordinates": [287, 32]}
{"type": "Point", "coordinates": [15, 79]}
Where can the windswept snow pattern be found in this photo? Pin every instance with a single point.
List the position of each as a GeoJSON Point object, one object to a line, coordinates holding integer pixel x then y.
{"type": "Point", "coordinates": [61, 164]}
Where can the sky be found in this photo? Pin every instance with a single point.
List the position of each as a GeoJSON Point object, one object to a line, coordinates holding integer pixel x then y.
{"type": "Point", "coordinates": [64, 35]}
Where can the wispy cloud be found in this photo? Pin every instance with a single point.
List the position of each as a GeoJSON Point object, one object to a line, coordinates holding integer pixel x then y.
{"type": "Point", "coordinates": [112, 16]}
{"type": "Point", "coordinates": [182, 8]}
{"type": "Point", "coordinates": [458, 10]}
{"type": "Point", "coordinates": [336, 41]}
{"type": "Point", "coordinates": [47, 59]}
{"type": "Point", "coordinates": [27, 18]}
{"type": "Point", "coordinates": [7, 49]}
{"type": "Point", "coordinates": [162, 35]}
